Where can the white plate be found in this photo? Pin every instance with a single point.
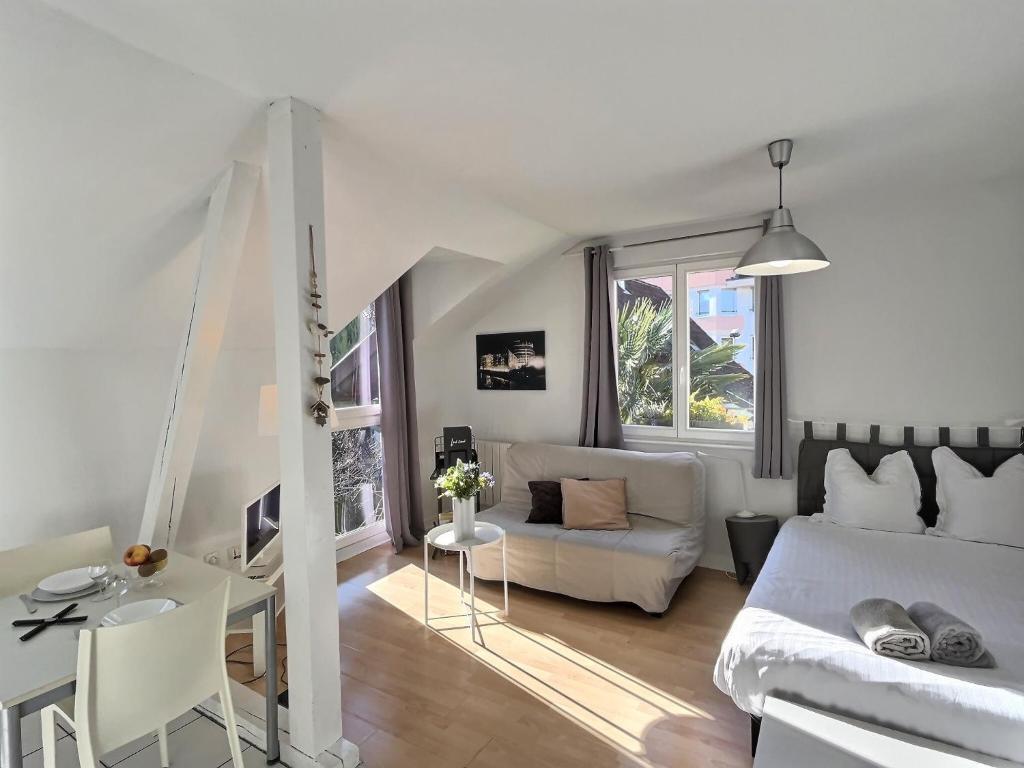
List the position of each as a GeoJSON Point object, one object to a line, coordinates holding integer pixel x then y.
{"type": "Point", "coordinates": [48, 597]}
{"type": "Point", "coordinates": [66, 582]}
{"type": "Point", "coordinates": [140, 611]}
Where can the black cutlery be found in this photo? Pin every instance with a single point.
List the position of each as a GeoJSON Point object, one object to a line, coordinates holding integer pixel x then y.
{"type": "Point", "coordinates": [38, 625]}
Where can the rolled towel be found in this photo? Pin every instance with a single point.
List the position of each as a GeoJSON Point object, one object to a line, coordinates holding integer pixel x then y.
{"type": "Point", "coordinates": [886, 629]}
{"type": "Point", "coordinates": [953, 640]}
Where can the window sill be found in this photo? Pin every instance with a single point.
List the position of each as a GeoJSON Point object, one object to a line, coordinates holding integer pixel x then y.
{"type": "Point", "coordinates": [738, 445]}
{"type": "Point", "coordinates": [351, 544]}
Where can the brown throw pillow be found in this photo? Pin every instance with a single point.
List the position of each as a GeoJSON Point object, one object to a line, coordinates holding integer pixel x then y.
{"type": "Point", "coordinates": [596, 505]}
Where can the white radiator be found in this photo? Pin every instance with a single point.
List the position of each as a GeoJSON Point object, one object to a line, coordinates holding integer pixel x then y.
{"type": "Point", "coordinates": [491, 455]}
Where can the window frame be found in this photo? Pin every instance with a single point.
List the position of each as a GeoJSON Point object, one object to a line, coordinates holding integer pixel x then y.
{"type": "Point", "coordinates": [357, 417]}
{"type": "Point", "coordinates": [681, 431]}
{"type": "Point", "coordinates": [664, 270]}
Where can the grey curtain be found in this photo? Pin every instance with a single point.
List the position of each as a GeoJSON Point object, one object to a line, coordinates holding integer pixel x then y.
{"type": "Point", "coordinates": [772, 450]}
{"type": "Point", "coordinates": [600, 424]}
{"type": "Point", "coordinates": [403, 515]}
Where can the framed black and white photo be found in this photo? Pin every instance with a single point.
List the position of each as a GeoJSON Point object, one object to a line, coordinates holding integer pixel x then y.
{"type": "Point", "coordinates": [510, 360]}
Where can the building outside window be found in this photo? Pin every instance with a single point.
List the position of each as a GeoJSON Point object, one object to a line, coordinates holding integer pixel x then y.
{"type": "Point", "coordinates": [685, 356]}
{"type": "Point", "coordinates": [357, 453]}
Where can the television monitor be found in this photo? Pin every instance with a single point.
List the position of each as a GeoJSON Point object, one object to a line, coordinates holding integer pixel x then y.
{"type": "Point", "coordinates": [261, 525]}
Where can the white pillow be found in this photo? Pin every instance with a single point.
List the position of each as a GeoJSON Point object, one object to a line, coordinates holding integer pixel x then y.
{"type": "Point", "coordinates": [978, 508]}
{"type": "Point", "coordinates": [888, 500]}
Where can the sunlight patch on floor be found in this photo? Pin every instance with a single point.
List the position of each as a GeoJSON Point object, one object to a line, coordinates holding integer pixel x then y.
{"type": "Point", "coordinates": [611, 704]}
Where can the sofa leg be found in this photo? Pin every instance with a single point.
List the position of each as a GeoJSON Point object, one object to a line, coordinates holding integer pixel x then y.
{"type": "Point", "coordinates": [755, 731]}
{"type": "Point", "coordinates": [655, 614]}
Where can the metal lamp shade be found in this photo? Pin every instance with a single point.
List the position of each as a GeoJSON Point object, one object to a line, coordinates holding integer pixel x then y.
{"type": "Point", "coordinates": [782, 250]}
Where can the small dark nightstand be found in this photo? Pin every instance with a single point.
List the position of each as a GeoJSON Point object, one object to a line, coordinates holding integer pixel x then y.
{"type": "Point", "coordinates": [750, 539]}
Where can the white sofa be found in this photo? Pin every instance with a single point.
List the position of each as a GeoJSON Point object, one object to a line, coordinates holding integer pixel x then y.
{"type": "Point", "coordinates": [644, 565]}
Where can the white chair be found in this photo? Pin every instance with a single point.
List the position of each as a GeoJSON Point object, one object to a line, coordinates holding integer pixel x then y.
{"type": "Point", "coordinates": [134, 679]}
{"type": "Point", "coordinates": [24, 567]}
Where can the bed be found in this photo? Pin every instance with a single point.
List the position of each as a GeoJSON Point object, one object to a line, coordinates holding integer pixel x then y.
{"type": "Point", "coordinates": [793, 637]}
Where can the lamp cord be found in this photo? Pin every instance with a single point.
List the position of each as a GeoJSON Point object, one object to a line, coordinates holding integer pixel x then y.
{"type": "Point", "coordinates": [780, 187]}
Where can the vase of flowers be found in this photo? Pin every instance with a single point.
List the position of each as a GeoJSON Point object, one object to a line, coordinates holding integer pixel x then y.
{"type": "Point", "coordinates": [460, 484]}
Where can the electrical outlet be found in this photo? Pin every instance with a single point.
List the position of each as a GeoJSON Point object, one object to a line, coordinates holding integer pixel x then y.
{"type": "Point", "coordinates": [211, 557]}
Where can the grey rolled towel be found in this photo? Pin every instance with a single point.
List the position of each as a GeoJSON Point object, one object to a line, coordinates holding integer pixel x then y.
{"type": "Point", "coordinates": [886, 629]}
{"type": "Point", "coordinates": [953, 640]}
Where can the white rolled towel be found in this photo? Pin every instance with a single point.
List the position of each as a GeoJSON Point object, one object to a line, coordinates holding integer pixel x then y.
{"type": "Point", "coordinates": [887, 629]}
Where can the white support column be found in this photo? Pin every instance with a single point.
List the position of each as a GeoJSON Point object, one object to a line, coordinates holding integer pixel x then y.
{"type": "Point", "coordinates": [307, 486]}
{"type": "Point", "coordinates": [227, 222]}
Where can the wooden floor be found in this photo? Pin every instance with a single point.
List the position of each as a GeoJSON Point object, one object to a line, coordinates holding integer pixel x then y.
{"type": "Point", "coordinates": [559, 683]}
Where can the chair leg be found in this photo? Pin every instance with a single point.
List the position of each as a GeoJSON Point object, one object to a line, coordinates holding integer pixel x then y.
{"type": "Point", "coordinates": [231, 727]}
{"type": "Point", "coordinates": [161, 737]}
{"type": "Point", "coordinates": [49, 737]}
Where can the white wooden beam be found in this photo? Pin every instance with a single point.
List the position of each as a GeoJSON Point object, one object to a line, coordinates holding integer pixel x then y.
{"type": "Point", "coordinates": [227, 222]}
{"type": "Point", "coordinates": [295, 171]}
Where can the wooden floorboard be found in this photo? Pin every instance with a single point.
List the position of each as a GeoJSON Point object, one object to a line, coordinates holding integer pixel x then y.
{"type": "Point", "coordinates": [559, 683]}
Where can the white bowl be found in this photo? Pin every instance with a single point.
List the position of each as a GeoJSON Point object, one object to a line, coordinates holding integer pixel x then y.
{"type": "Point", "coordinates": [66, 582]}
{"type": "Point", "coordinates": [140, 611]}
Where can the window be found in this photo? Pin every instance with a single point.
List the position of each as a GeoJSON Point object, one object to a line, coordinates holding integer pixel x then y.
{"type": "Point", "coordinates": [703, 303]}
{"type": "Point", "coordinates": [727, 301]}
{"type": "Point", "coordinates": [685, 361]}
{"type": "Point", "coordinates": [356, 445]}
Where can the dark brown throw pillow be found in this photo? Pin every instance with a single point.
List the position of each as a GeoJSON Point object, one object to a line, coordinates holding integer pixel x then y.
{"type": "Point", "coordinates": [545, 502]}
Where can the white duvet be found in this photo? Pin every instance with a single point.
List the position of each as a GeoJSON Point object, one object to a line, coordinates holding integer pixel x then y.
{"type": "Point", "coordinates": [794, 636]}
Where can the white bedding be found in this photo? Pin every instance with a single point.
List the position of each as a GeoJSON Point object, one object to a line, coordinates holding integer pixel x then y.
{"type": "Point", "coordinates": [794, 636]}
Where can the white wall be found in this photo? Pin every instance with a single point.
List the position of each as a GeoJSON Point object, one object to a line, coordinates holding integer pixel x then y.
{"type": "Point", "coordinates": [917, 321]}
{"type": "Point", "coordinates": [79, 433]}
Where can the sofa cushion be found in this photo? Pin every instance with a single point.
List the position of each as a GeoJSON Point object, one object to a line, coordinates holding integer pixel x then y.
{"type": "Point", "coordinates": [642, 565]}
{"type": "Point", "coordinates": [545, 502]}
{"type": "Point", "coordinates": [668, 486]}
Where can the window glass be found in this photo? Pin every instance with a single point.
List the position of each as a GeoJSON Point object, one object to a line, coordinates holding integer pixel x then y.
{"type": "Point", "coordinates": [358, 478]}
{"type": "Point", "coordinates": [703, 303]}
{"type": "Point", "coordinates": [720, 390]}
{"type": "Point", "coordinates": [355, 376]}
{"type": "Point", "coordinates": [645, 320]}
{"type": "Point", "coordinates": [727, 301]}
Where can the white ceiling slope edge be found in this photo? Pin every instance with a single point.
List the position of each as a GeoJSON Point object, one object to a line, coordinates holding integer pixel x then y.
{"type": "Point", "coordinates": [600, 115]}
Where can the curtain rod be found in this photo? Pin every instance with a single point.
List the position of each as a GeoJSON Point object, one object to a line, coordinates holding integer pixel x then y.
{"type": "Point", "coordinates": [617, 248]}
{"type": "Point", "coordinates": [685, 237]}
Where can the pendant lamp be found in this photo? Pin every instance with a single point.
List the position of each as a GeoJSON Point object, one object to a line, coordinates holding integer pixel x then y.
{"type": "Point", "coordinates": [782, 250]}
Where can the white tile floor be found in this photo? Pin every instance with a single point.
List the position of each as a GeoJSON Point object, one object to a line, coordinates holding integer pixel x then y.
{"type": "Point", "coordinates": [193, 741]}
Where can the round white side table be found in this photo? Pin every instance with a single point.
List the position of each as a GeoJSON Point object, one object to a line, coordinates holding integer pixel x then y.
{"type": "Point", "coordinates": [443, 537]}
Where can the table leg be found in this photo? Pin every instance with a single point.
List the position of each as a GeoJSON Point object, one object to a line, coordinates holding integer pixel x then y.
{"type": "Point", "coordinates": [474, 628]}
{"type": "Point", "coordinates": [504, 571]}
{"type": "Point", "coordinates": [10, 737]}
{"type": "Point", "coordinates": [426, 581]}
{"type": "Point", "coordinates": [462, 592]}
{"type": "Point", "coordinates": [270, 638]}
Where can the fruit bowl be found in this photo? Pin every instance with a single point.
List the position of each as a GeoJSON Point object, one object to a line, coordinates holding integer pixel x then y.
{"type": "Point", "coordinates": [144, 564]}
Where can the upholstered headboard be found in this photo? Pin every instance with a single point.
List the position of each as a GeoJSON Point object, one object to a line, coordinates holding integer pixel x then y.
{"type": "Point", "coordinates": [814, 451]}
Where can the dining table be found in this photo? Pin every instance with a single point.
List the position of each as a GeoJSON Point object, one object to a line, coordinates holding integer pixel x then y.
{"type": "Point", "coordinates": [41, 671]}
